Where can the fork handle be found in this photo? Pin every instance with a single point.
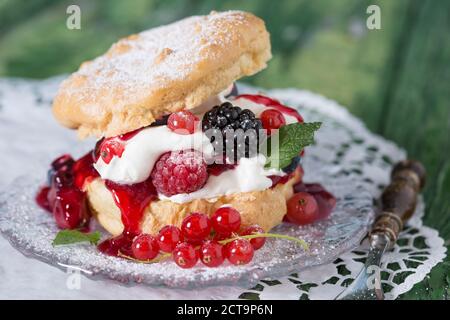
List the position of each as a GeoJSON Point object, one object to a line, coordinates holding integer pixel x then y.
{"type": "Point", "coordinates": [399, 199]}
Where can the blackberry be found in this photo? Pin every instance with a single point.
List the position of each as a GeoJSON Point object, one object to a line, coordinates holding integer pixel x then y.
{"type": "Point", "coordinates": [240, 131]}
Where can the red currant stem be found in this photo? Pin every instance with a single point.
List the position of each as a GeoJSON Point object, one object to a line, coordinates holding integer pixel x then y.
{"type": "Point", "coordinates": [159, 258]}
{"type": "Point", "coordinates": [268, 235]}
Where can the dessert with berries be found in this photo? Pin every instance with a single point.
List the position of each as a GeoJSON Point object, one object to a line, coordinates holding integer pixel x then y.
{"type": "Point", "coordinates": [185, 166]}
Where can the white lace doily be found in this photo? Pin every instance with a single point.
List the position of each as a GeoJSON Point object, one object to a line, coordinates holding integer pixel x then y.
{"type": "Point", "coordinates": [24, 105]}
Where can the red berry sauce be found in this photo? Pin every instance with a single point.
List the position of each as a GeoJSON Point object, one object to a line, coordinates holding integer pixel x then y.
{"type": "Point", "coordinates": [64, 197]}
{"type": "Point", "coordinates": [132, 201]}
{"type": "Point", "coordinates": [42, 198]}
{"type": "Point", "coordinates": [84, 170]}
{"type": "Point", "coordinates": [127, 136]}
{"type": "Point", "coordinates": [276, 180]}
{"type": "Point", "coordinates": [272, 103]}
{"type": "Point", "coordinates": [217, 169]}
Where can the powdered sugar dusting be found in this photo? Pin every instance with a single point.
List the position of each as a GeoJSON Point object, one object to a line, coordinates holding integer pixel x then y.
{"type": "Point", "coordinates": [145, 61]}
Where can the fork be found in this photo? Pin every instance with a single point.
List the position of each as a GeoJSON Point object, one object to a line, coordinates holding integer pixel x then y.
{"type": "Point", "coordinates": [398, 203]}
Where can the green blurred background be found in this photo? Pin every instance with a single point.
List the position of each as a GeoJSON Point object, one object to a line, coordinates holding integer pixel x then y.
{"type": "Point", "coordinates": [396, 79]}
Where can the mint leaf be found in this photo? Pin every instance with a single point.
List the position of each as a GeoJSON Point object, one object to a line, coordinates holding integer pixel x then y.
{"type": "Point", "coordinates": [292, 139]}
{"type": "Point", "coordinates": [65, 237]}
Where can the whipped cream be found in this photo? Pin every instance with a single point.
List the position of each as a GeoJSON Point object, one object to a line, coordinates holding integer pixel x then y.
{"type": "Point", "coordinates": [144, 149]}
{"type": "Point", "coordinates": [248, 175]}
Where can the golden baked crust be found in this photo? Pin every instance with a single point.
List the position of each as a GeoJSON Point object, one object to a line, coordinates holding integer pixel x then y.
{"type": "Point", "coordinates": [265, 208]}
{"type": "Point", "coordinates": [160, 71]}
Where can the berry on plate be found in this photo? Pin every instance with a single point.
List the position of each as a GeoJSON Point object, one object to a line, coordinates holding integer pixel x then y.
{"type": "Point", "coordinates": [179, 172]}
{"type": "Point", "coordinates": [257, 243]}
{"type": "Point", "coordinates": [302, 209]}
{"type": "Point", "coordinates": [64, 160]}
{"type": "Point", "coordinates": [211, 253]}
{"type": "Point", "coordinates": [226, 220]}
{"type": "Point", "coordinates": [196, 227]}
{"type": "Point", "coordinates": [239, 251]}
{"type": "Point", "coordinates": [182, 122]}
{"type": "Point", "coordinates": [70, 208]}
{"type": "Point", "coordinates": [42, 198]}
{"type": "Point", "coordinates": [325, 200]}
{"type": "Point", "coordinates": [145, 247]}
{"type": "Point", "coordinates": [168, 238]}
{"type": "Point", "coordinates": [185, 255]}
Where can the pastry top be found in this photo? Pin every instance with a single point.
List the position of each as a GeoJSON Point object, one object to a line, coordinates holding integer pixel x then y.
{"type": "Point", "coordinates": [160, 71]}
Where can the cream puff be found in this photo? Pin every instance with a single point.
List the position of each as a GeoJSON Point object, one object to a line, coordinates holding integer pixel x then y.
{"type": "Point", "coordinates": [175, 136]}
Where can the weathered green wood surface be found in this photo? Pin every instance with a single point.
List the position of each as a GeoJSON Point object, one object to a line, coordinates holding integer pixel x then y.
{"type": "Point", "coordinates": [396, 79]}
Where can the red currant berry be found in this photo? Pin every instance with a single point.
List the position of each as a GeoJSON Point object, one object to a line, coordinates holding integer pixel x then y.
{"type": "Point", "coordinates": [239, 251]}
{"type": "Point", "coordinates": [62, 178]}
{"type": "Point", "coordinates": [257, 243]}
{"type": "Point", "coordinates": [64, 160]}
{"type": "Point", "coordinates": [168, 238]}
{"type": "Point", "coordinates": [70, 208]}
{"type": "Point", "coordinates": [272, 119]}
{"type": "Point", "coordinates": [220, 237]}
{"type": "Point", "coordinates": [226, 220]}
{"type": "Point", "coordinates": [110, 148]}
{"type": "Point", "coordinates": [302, 209]}
{"type": "Point", "coordinates": [182, 122]}
{"type": "Point", "coordinates": [145, 247]}
{"type": "Point", "coordinates": [185, 255]}
{"type": "Point", "coordinates": [196, 227]}
{"type": "Point", "coordinates": [211, 254]}
{"type": "Point", "coordinates": [325, 200]}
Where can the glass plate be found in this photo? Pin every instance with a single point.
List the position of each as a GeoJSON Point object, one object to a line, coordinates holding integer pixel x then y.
{"type": "Point", "coordinates": [31, 230]}
{"type": "Point", "coordinates": [339, 160]}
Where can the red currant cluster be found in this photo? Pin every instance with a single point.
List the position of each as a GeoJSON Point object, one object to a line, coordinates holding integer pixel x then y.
{"type": "Point", "coordinates": [212, 240]}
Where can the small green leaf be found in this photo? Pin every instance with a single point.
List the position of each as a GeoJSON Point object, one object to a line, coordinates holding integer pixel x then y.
{"type": "Point", "coordinates": [65, 237]}
{"type": "Point", "coordinates": [249, 296]}
{"type": "Point", "coordinates": [292, 138]}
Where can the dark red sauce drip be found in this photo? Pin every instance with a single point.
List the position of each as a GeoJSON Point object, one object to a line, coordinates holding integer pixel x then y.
{"type": "Point", "coordinates": [84, 171]}
{"type": "Point", "coordinates": [127, 136]}
{"type": "Point", "coordinates": [132, 201]}
{"type": "Point", "coordinates": [217, 169]}
{"type": "Point", "coordinates": [279, 179]}
{"type": "Point", "coordinates": [64, 196]}
{"type": "Point", "coordinates": [42, 198]}
{"type": "Point", "coordinates": [269, 102]}
{"type": "Point", "coordinates": [113, 246]}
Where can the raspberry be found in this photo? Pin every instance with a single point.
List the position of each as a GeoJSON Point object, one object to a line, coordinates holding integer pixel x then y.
{"type": "Point", "coordinates": [179, 172]}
